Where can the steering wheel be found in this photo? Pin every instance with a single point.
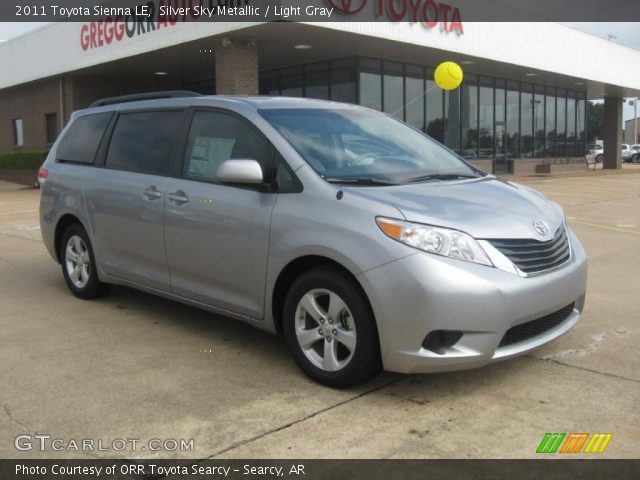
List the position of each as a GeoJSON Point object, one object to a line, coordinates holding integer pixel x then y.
{"type": "Point", "coordinates": [364, 159]}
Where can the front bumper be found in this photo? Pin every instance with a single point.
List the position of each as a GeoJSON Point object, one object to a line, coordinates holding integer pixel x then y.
{"type": "Point", "coordinates": [423, 292]}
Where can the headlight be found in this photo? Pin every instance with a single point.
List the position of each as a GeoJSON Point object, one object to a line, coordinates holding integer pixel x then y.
{"type": "Point", "coordinates": [438, 240]}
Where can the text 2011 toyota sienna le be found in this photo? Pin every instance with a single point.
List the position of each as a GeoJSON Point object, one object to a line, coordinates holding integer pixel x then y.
{"type": "Point", "coordinates": [368, 244]}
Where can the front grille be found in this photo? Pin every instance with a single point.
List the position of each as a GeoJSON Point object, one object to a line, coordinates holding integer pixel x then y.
{"type": "Point", "coordinates": [532, 256]}
{"type": "Point", "coordinates": [525, 331]}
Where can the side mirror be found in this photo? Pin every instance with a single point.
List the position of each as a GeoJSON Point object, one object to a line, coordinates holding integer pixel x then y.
{"type": "Point", "coordinates": [242, 172]}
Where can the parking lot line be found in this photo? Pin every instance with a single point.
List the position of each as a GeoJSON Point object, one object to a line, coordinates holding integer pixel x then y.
{"type": "Point", "coordinates": [606, 226]}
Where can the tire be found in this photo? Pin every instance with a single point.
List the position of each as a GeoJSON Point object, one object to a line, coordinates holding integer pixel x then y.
{"type": "Point", "coordinates": [599, 159]}
{"type": "Point", "coordinates": [339, 352]}
{"type": "Point", "coordinates": [79, 264]}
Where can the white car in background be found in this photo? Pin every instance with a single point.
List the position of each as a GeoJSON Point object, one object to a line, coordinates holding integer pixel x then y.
{"type": "Point", "coordinates": [626, 152]}
{"type": "Point", "coordinates": [596, 150]}
{"type": "Point", "coordinates": [635, 153]}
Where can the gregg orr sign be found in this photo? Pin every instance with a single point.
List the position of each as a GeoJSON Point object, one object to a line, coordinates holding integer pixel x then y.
{"type": "Point", "coordinates": [148, 16]}
{"type": "Point", "coordinates": [429, 13]}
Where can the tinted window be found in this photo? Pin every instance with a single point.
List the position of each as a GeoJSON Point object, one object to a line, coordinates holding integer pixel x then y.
{"type": "Point", "coordinates": [80, 142]}
{"type": "Point", "coordinates": [215, 137]}
{"type": "Point", "coordinates": [142, 142]}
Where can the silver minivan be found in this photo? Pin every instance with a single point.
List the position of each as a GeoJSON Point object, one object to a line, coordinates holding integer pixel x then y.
{"type": "Point", "coordinates": [366, 243]}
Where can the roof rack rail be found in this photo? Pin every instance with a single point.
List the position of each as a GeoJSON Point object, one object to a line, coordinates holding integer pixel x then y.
{"type": "Point", "coordinates": [144, 96]}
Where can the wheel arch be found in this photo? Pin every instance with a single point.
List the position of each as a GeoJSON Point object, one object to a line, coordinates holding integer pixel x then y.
{"type": "Point", "coordinates": [299, 266]}
{"type": "Point", "coordinates": [64, 222]}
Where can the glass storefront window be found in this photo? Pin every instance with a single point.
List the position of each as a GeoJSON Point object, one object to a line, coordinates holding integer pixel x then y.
{"type": "Point", "coordinates": [292, 82]}
{"type": "Point", "coordinates": [561, 121]}
{"type": "Point", "coordinates": [270, 83]}
{"type": "Point", "coordinates": [550, 122]}
{"type": "Point", "coordinates": [581, 130]}
{"type": "Point", "coordinates": [343, 80]}
{"type": "Point", "coordinates": [485, 118]}
{"type": "Point", "coordinates": [316, 77]}
{"type": "Point", "coordinates": [452, 119]}
{"type": "Point", "coordinates": [393, 89]}
{"type": "Point", "coordinates": [435, 105]}
{"type": "Point", "coordinates": [526, 120]}
{"type": "Point", "coordinates": [414, 96]}
{"type": "Point", "coordinates": [371, 83]}
{"type": "Point", "coordinates": [500, 117]}
{"type": "Point", "coordinates": [485, 126]}
{"type": "Point", "coordinates": [571, 124]}
{"type": "Point", "coordinates": [469, 117]}
{"type": "Point", "coordinates": [538, 121]}
{"type": "Point", "coordinates": [512, 139]}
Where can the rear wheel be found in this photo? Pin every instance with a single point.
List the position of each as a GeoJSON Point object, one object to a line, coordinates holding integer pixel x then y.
{"type": "Point", "coordinates": [78, 264]}
{"type": "Point", "coordinates": [599, 159]}
{"type": "Point", "coordinates": [330, 329]}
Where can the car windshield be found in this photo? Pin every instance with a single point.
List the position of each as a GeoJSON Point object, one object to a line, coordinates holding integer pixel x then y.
{"type": "Point", "coordinates": [365, 147]}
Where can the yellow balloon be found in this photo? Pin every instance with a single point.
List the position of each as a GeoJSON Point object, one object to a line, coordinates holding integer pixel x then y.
{"type": "Point", "coordinates": [448, 75]}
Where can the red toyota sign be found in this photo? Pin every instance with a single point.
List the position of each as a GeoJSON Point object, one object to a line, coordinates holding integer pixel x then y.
{"type": "Point", "coordinates": [429, 13]}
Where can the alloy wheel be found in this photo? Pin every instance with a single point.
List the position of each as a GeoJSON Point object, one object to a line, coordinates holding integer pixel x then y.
{"type": "Point", "coordinates": [325, 329]}
{"type": "Point", "coordinates": [77, 261]}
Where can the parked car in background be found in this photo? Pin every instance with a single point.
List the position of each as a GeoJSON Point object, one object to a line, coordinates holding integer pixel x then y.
{"type": "Point", "coordinates": [635, 153]}
{"type": "Point", "coordinates": [596, 150]}
{"type": "Point", "coordinates": [365, 242]}
{"type": "Point", "coordinates": [626, 153]}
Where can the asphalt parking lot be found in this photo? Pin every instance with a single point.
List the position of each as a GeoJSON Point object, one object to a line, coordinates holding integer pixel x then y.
{"type": "Point", "coordinates": [135, 366]}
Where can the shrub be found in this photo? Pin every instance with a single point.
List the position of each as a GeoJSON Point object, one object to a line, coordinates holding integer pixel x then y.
{"type": "Point", "coordinates": [22, 160]}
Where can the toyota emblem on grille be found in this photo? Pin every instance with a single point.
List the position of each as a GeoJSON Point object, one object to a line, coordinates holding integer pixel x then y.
{"type": "Point", "coordinates": [541, 227]}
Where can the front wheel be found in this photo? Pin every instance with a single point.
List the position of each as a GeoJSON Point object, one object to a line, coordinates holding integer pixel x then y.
{"type": "Point", "coordinates": [599, 159]}
{"type": "Point", "coordinates": [79, 264]}
{"type": "Point", "coordinates": [330, 329]}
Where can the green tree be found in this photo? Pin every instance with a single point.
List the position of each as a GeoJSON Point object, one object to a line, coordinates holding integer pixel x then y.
{"type": "Point", "coordinates": [595, 121]}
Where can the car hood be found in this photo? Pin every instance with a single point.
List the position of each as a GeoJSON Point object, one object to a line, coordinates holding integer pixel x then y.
{"type": "Point", "coordinates": [485, 208]}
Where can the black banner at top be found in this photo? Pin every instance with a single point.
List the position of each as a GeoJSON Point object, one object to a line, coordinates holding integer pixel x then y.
{"type": "Point", "coordinates": [417, 11]}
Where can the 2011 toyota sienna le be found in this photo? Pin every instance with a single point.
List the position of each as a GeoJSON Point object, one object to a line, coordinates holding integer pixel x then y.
{"type": "Point", "coordinates": [365, 242]}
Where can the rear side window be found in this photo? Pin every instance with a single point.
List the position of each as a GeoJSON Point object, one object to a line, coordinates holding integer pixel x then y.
{"type": "Point", "coordinates": [80, 143]}
{"type": "Point", "coordinates": [143, 142]}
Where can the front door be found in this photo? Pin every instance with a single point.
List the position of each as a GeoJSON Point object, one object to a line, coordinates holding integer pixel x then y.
{"type": "Point", "coordinates": [217, 236]}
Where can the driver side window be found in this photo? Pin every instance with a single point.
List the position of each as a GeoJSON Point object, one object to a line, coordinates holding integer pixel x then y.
{"type": "Point", "coordinates": [215, 137]}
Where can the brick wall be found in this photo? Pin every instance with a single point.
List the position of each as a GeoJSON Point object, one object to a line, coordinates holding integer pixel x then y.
{"type": "Point", "coordinates": [236, 70]}
{"type": "Point", "coordinates": [30, 103]}
{"type": "Point", "coordinates": [33, 101]}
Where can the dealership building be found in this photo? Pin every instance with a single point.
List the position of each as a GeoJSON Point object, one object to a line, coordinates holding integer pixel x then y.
{"type": "Point", "coordinates": [521, 106]}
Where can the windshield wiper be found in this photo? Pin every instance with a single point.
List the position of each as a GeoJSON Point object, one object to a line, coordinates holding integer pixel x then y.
{"type": "Point", "coordinates": [441, 176]}
{"type": "Point", "coordinates": [359, 181]}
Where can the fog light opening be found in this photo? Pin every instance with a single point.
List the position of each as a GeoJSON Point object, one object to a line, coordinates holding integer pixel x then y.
{"type": "Point", "coordinates": [438, 341]}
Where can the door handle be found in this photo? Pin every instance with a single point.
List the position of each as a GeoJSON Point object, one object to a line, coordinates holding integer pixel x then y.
{"type": "Point", "coordinates": [152, 193]}
{"type": "Point", "coordinates": [179, 197]}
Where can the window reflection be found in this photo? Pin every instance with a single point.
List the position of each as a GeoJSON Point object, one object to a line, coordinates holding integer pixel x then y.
{"type": "Point", "coordinates": [469, 117]}
{"type": "Point", "coordinates": [550, 122]}
{"type": "Point", "coordinates": [486, 117]}
{"type": "Point", "coordinates": [393, 97]}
